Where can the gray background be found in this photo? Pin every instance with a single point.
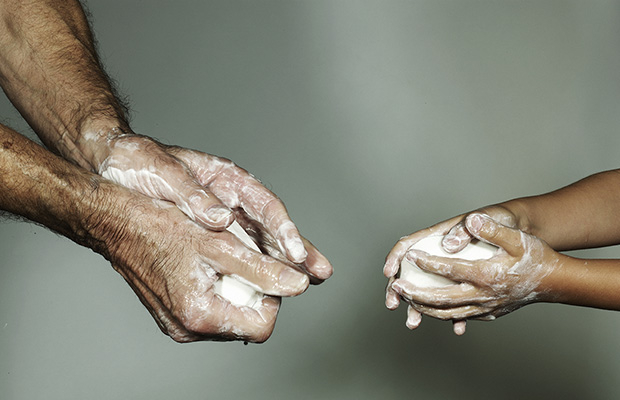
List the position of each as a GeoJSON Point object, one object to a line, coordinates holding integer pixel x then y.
{"type": "Point", "coordinates": [370, 119]}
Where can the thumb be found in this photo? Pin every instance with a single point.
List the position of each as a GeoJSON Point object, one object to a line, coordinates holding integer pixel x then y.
{"type": "Point", "coordinates": [201, 205]}
{"type": "Point", "coordinates": [488, 230]}
{"type": "Point", "coordinates": [171, 181]}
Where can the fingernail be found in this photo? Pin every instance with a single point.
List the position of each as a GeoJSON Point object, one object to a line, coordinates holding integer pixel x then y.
{"type": "Point", "coordinates": [459, 328]}
{"type": "Point", "coordinates": [412, 255]}
{"type": "Point", "coordinates": [323, 271]}
{"type": "Point", "coordinates": [451, 242]}
{"type": "Point", "coordinates": [475, 223]}
{"type": "Point", "coordinates": [413, 320]}
{"type": "Point", "coordinates": [391, 301]}
{"type": "Point", "coordinates": [291, 279]}
{"type": "Point", "coordinates": [218, 214]}
{"type": "Point", "coordinates": [296, 250]}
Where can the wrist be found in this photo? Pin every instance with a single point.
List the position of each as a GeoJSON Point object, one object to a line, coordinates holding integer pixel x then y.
{"type": "Point", "coordinates": [44, 188]}
{"type": "Point", "coordinates": [557, 285]}
{"type": "Point", "coordinates": [94, 141]}
{"type": "Point", "coordinates": [521, 216]}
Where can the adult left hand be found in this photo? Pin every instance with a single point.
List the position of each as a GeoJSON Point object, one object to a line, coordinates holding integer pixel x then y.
{"type": "Point", "coordinates": [211, 190]}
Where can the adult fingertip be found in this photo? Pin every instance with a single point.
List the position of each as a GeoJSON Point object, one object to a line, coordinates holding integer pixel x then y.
{"type": "Point", "coordinates": [293, 283]}
{"type": "Point", "coordinates": [322, 271]}
{"type": "Point", "coordinates": [296, 250]}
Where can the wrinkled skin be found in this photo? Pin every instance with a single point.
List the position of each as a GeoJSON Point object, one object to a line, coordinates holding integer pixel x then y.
{"type": "Point", "coordinates": [51, 72]}
{"type": "Point", "coordinates": [171, 263]}
{"type": "Point", "coordinates": [213, 192]}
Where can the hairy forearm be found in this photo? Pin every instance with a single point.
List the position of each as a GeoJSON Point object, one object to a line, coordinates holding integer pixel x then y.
{"type": "Point", "coordinates": [50, 70]}
{"type": "Point", "coordinates": [46, 189]}
{"type": "Point", "coordinates": [582, 215]}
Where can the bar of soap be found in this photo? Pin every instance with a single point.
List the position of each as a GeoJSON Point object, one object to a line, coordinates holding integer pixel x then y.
{"type": "Point", "coordinates": [432, 245]}
{"type": "Point", "coordinates": [231, 288]}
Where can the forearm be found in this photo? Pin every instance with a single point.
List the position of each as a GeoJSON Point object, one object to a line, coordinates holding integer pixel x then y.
{"type": "Point", "coordinates": [46, 189]}
{"type": "Point", "coordinates": [590, 283]}
{"type": "Point", "coordinates": [582, 215]}
{"type": "Point", "coordinates": [50, 70]}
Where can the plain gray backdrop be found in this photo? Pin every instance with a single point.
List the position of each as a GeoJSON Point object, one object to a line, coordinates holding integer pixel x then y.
{"type": "Point", "coordinates": [371, 120]}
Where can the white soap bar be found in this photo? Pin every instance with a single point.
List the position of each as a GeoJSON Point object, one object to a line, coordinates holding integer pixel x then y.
{"type": "Point", "coordinates": [432, 245]}
{"type": "Point", "coordinates": [232, 289]}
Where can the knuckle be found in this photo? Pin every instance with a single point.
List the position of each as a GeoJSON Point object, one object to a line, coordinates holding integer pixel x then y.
{"type": "Point", "coordinates": [181, 337]}
{"type": "Point", "coordinates": [262, 335]}
{"type": "Point", "coordinates": [491, 230]}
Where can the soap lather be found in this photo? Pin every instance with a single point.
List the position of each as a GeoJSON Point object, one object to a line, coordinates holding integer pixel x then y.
{"type": "Point", "coordinates": [432, 245]}
{"type": "Point", "coordinates": [231, 288]}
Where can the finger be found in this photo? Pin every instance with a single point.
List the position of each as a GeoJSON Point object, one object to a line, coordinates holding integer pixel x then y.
{"type": "Point", "coordinates": [260, 271]}
{"type": "Point", "coordinates": [176, 183]}
{"type": "Point", "coordinates": [455, 269]}
{"type": "Point", "coordinates": [217, 319]}
{"type": "Point", "coordinates": [238, 188]}
{"type": "Point", "coordinates": [265, 207]}
{"type": "Point", "coordinates": [396, 255]}
{"type": "Point", "coordinates": [440, 297]}
{"type": "Point", "coordinates": [488, 230]}
{"type": "Point", "coordinates": [457, 238]}
{"type": "Point", "coordinates": [316, 264]}
{"type": "Point", "coordinates": [168, 179]}
{"type": "Point", "coordinates": [201, 205]}
{"type": "Point", "coordinates": [414, 318]}
{"type": "Point", "coordinates": [457, 313]}
{"type": "Point", "coordinates": [459, 327]}
{"type": "Point", "coordinates": [392, 300]}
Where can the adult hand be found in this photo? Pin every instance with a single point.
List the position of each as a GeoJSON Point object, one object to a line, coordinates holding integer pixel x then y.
{"type": "Point", "coordinates": [208, 189]}
{"type": "Point", "coordinates": [169, 260]}
{"type": "Point", "coordinates": [172, 264]}
{"type": "Point", "coordinates": [488, 288]}
{"type": "Point", "coordinates": [456, 237]}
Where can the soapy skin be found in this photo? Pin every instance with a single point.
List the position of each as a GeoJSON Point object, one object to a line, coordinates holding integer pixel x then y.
{"type": "Point", "coordinates": [161, 213]}
{"type": "Point", "coordinates": [60, 88]}
{"type": "Point", "coordinates": [531, 232]}
{"type": "Point", "coordinates": [233, 288]}
{"type": "Point", "coordinates": [396, 256]}
{"type": "Point", "coordinates": [170, 261]}
{"type": "Point", "coordinates": [433, 246]}
{"type": "Point", "coordinates": [203, 186]}
{"type": "Point", "coordinates": [489, 288]}
{"type": "Point", "coordinates": [456, 237]}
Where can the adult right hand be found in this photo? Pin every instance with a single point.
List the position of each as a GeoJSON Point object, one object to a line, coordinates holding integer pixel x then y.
{"type": "Point", "coordinates": [171, 263]}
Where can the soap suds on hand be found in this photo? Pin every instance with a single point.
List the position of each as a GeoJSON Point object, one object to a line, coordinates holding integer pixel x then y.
{"type": "Point", "coordinates": [230, 287]}
{"type": "Point", "coordinates": [432, 245]}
